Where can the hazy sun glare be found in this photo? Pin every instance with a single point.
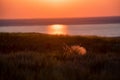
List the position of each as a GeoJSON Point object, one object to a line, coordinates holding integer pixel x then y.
{"type": "Point", "coordinates": [17, 9]}
{"type": "Point", "coordinates": [57, 29]}
{"type": "Point", "coordinates": [57, 3]}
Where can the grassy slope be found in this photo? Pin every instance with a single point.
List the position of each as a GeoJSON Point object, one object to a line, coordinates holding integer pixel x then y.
{"type": "Point", "coordinates": [35, 56]}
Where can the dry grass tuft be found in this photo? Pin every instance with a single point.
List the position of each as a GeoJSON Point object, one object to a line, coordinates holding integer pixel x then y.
{"type": "Point", "coordinates": [75, 49]}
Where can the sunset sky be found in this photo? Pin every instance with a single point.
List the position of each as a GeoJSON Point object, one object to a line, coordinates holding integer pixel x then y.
{"type": "Point", "coordinates": [15, 9]}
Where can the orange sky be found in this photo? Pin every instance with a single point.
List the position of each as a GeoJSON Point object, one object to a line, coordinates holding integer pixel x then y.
{"type": "Point", "coordinates": [12, 9]}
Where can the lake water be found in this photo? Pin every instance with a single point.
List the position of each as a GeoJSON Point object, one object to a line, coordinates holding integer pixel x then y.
{"type": "Point", "coordinates": [108, 30]}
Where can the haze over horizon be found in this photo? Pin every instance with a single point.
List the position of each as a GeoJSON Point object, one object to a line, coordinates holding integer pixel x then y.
{"type": "Point", "coordinates": [27, 9]}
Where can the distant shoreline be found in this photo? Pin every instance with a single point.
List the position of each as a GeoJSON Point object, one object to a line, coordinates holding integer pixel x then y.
{"type": "Point", "coordinates": [66, 21]}
{"type": "Point", "coordinates": [67, 35]}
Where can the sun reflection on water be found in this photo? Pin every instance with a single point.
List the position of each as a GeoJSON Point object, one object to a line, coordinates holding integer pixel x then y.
{"type": "Point", "coordinates": [57, 29]}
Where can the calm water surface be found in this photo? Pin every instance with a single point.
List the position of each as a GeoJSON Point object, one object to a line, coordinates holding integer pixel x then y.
{"type": "Point", "coordinates": [109, 30]}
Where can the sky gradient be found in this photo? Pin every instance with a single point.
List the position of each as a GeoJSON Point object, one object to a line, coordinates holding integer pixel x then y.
{"type": "Point", "coordinates": [17, 9]}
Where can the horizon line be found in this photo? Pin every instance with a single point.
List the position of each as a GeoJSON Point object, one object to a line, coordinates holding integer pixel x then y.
{"type": "Point", "coordinates": [65, 21]}
{"type": "Point", "coordinates": [60, 18]}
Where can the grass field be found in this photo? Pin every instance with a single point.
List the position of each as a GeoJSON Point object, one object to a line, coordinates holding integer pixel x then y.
{"type": "Point", "coordinates": [33, 56]}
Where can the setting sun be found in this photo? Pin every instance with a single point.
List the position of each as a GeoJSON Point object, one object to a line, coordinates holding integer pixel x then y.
{"type": "Point", "coordinates": [57, 29]}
